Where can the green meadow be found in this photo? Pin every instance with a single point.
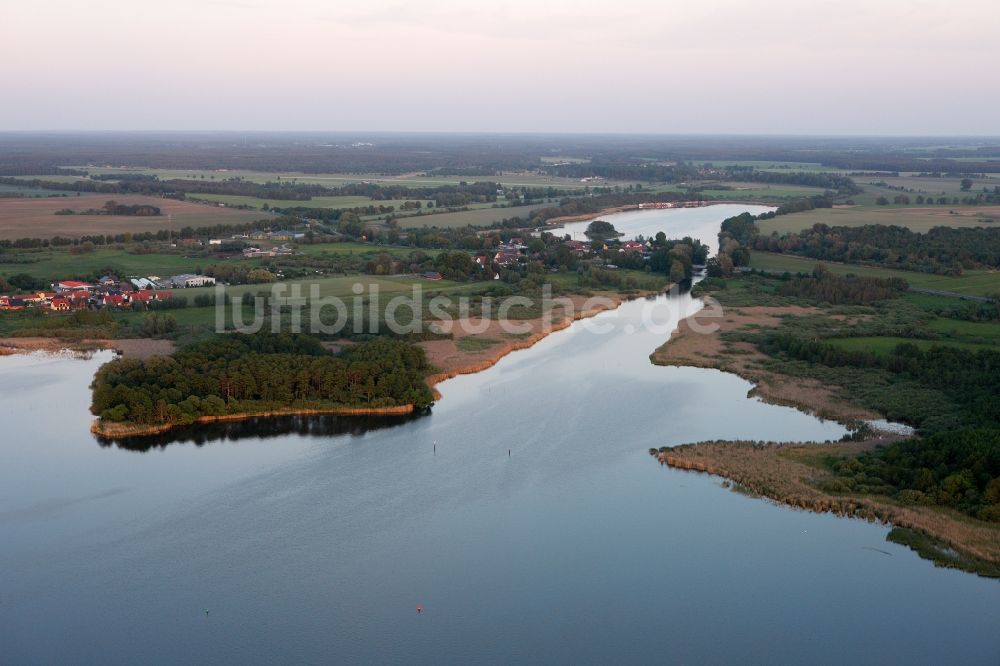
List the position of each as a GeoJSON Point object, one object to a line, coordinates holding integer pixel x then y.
{"type": "Point", "coordinates": [976, 283]}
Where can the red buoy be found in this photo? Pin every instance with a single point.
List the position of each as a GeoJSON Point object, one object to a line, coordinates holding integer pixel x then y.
{"type": "Point", "coordinates": [420, 609]}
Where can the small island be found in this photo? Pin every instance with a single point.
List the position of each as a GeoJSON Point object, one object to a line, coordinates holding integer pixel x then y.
{"type": "Point", "coordinates": [602, 230]}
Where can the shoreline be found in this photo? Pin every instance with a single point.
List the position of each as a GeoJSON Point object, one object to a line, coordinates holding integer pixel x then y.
{"type": "Point", "coordinates": [625, 208]}
{"type": "Point", "coordinates": [487, 358]}
{"type": "Point", "coordinates": [116, 430]}
{"type": "Point", "coordinates": [685, 347]}
{"type": "Point", "coordinates": [789, 474]}
{"type": "Point", "coordinates": [483, 360]}
{"type": "Point", "coordinates": [131, 347]}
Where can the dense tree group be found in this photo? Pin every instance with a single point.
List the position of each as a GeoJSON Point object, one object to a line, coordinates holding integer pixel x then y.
{"type": "Point", "coordinates": [826, 287]}
{"type": "Point", "coordinates": [970, 380]}
{"type": "Point", "coordinates": [945, 250]}
{"type": "Point", "coordinates": [959, 469]}
{"type": "Point", "coordinates": [237, 373]}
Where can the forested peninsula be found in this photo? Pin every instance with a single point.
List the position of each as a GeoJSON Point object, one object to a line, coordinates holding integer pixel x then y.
{"type": "Point", "coordinates": [232, 376]}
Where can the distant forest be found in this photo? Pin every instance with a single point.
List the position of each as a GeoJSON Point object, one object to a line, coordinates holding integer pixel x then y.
{"type": "Point", "coordinates": [612, 156]}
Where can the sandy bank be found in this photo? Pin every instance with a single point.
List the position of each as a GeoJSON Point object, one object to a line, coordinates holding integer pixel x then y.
{"type": "Point", "coordinates": [130, 347]}
{"type": "Point", "coordinates": [452, 360]}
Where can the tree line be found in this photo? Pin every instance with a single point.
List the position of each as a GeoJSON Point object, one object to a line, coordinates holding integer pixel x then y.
{"type": "Point", "coordinates": [942, 250]}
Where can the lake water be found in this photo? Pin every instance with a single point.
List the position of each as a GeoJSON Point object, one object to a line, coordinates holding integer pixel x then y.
{"type": "Point", "coordinates": [540, 530]}
{"type": "Point", "coordinates": [701, 223]}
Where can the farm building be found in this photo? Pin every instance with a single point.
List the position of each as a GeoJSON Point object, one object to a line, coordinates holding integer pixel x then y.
{"type": "Point", "coordinates": [73, 285]}
{"type": "Point", "coordinates": [186, 280]}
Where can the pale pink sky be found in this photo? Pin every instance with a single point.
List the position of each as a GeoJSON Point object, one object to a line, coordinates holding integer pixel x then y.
{"type": "Point", "coordinates": [751, 66]}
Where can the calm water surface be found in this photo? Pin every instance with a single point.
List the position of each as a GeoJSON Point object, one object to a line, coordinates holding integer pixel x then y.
{"type": "Point", "coordinates": [313, 542]}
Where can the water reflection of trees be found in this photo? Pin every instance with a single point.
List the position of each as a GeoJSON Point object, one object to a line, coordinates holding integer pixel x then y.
{"type": "Point", "coordinates": [258, 428]}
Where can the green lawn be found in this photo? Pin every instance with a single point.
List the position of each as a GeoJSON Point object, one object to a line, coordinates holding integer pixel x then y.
{"type": "Point", "coordinates": [343, 287]}
{"type": "Point", "coordinates": [53, 265]}
{"type": "Point", "coordinates": [977, 283]}
{"type": "Point", "coordinates": [967, 331]}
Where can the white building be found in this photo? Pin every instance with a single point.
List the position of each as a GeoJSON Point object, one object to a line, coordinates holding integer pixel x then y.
{"type": "Point", "coordinates": [191, 280]}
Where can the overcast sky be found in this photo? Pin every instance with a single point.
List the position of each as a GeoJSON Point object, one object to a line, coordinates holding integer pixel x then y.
{"type": "Point", "coordinates": [667, 66]}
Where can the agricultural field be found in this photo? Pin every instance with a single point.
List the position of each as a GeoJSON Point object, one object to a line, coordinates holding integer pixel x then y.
{"type": "Point", "coordinates": [13, 191]}
{"type": "Point", "coordinates": [343, 287]}
{"type": "Point", "coordinates": [780, 167]}
{"type": "Point", "coordinates": [916, 218]}
{"type": "Point", "coordinates": [315, 202]}
{"type": "Point", "coordinates": [973, 283]}
{"type": "Point", "coordinates": [360, 249]}
{"type": "Point", "coordinates": [53, 178]}
{"type": "Point", "coordinates": [934, 186]}
{"type": "Point", "coordinates": [36, 218]}
{"type": "Point", "coordinates": [52, 265]}
{"type": "Point", "coordinates": [514, 179]}
{"type": "Point", "coordinates": [762, 191]}
{"type": "Point", "coordinates": [481, 217]}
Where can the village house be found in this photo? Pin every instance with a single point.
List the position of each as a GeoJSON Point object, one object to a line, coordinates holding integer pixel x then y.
{"type": "Point", "coordinates": [114, 300]}
{"type": "Point", "coordinates": [506, 257]}
{"type": "Point", "coordinates": [73, 285]}
{"type": "Point", "coordinates": [632, 246]}
{"type": "Point", "coordinates": [11, 303]}
{"type": "Point", "coordinates": [147, 295]}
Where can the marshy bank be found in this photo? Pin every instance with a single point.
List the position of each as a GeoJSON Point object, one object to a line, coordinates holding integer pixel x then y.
{"type": "Point", "coordinates": [795, 475]}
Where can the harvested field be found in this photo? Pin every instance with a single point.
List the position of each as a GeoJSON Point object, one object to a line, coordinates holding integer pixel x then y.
{"type": "Point", "coordinates": [36, 218]}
